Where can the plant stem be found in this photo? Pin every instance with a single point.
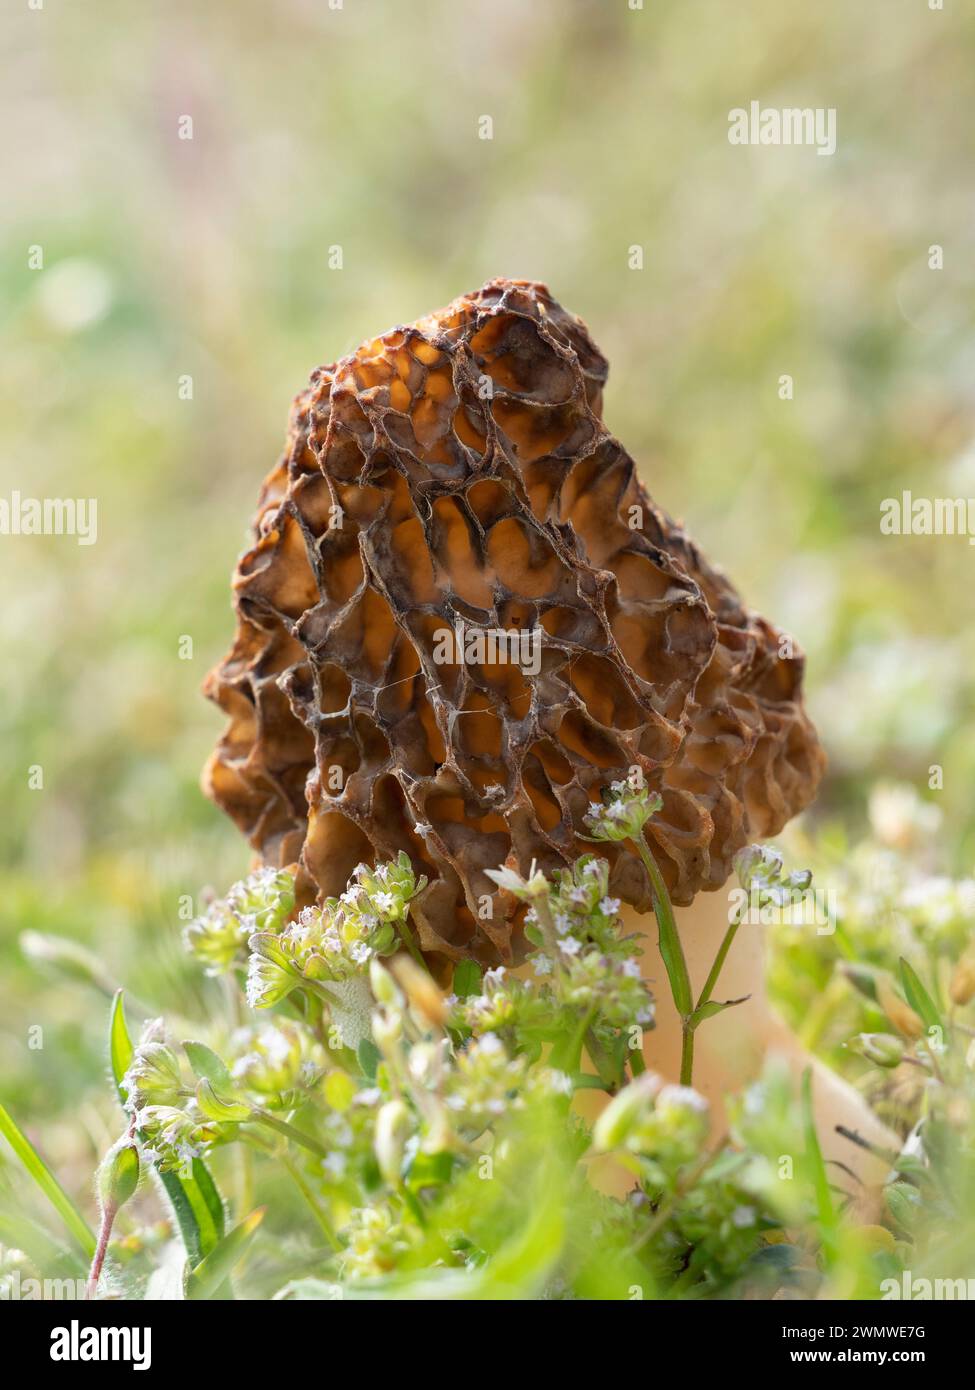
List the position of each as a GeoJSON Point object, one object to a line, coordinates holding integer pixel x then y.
{"type": "Point", "coordinates": [569, 1055]}
{"type": "Point", "coordinates": [683, 1183]}
{"type": "Point", "coordinates": [543, 911]}
{"type": "Point", "coordinates": [109, 1213]}
{"type": "Point", "coordinates": [602, 1063]}
{"type": "Point", "coordinates": [297, 1136]}
{"type": "Point", "coordinates": [686, 1053]}
{"type": "Point", "coordinates": [719, 960]}
{"type": "Point", "coordinates": [406, 937]}
{"type": "Point", "coordinates": [313, 1203]}
{"type": "Point", "coordinates": [672, 954]}
{"type": "Point", "coordinates": [671, 950]}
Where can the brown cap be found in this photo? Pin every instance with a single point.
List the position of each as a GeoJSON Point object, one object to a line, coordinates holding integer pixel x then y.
{"type": "Point", "coordinates": [463, 617]}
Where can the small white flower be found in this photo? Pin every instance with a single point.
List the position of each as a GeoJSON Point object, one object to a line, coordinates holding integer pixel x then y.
{"type": "Point", "coordinates": [384, 901]}
{"type": "Point", "coordinates": [609, 907]}
{"type": "Point", "coordinates": [683, 1096]}
{"type": "Point", "coordinates": [631, 969]}
{"type": "Point", "coordinates": [542, 965]}
{"type": "Point", "coordinates": [743, 1217]}
{"type": "Point", "coordinates": [335, 1165]}
{"type": "Point", "coordinates": [570, 945]}
{"type": "Point", "coordinates": [423, 828]}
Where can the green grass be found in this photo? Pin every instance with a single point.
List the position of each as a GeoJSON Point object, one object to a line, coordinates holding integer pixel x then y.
{"type": "Point", "coordinates": [315, 127]}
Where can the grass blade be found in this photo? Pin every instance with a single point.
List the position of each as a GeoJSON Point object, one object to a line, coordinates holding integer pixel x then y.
{"type": "Point", "coordinates": [919, 999]}
{"type": "Point", "coordinates": [48, 1184]}
{"type": "Point", "coordinates": [210, 1274]}
{"type": "Point", "coordinates": [825, 1208]}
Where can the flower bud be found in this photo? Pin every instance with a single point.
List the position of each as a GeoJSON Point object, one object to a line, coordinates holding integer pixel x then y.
{"type": "Point", "coordinates": [387, 1029]}
{"type": "Point", "coordinates": [625, 813]}
{"type": "Point", "coordinates": [217, 938]}
{"type": "Point", "coordinates": [901, 1015]}
{"type": "Point", "coordinates": [118, 1174]}
{"type": "Point", "coordinates": [883, 1049]}
{"type": "Point", "coordinates": [153, 1077]}
{"type": "Point", "coordinates": [757, 866]}
{"type": "Point", "coordinates": [383, 986]}
{"type": "Point", "coordinates": [389, 1139]}
{"type": "Point", "coordinates": [622, 1113]}
{"type": "Point", "coordinates": [861, 977]}
{"type": "Point", "coordinates": [962, 987]}
{"type": "Point", "coordinates": [421, 991]}
{"type": "Point", "coordinates": [268, 980]}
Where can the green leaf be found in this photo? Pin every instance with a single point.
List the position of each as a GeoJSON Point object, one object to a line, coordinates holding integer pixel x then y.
{"type": "Point", "coordinates": [207, 1066]}
{"type": "Point", "coordinates": [196, 1203]}
{"type": "Point", "coordinates": [919, 999]}
{"type": "Point", "coordinates": [309, 1290]}
{"type": "Point", "coordinates": [222, 1109]}
{"type": "Point", "coordinates": [668, 941]}
{"type": "Point", "coordinates": [585, 1081]}
{"type": "Point", "coordinates": [209, 1275]}
{"type": "Point", "coordinates": [723, 1167]}
{"type": "Point", "coordinates": [120, 1046]}
{"type": "Point", "coordinates": [55, 1259]}
{"type": "Point", "coordinates": [198, 1210]}
{"type": "Point", "coordinates": [712, 1007]}
{"type": "Point", "coordinates": [825, 1209]}
{"type": "Point", "coordinates": [369, 1058]}
{"type": "Point", "coordinates": [430, 1170]}
{"type": "Point", "coordinates": [48, 1183]}
{"type": "Point", "coordinates": [467, 979]}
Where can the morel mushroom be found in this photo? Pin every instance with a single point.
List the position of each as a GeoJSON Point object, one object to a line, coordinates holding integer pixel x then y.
{"type": "Point", "coordinates": [447, 492]}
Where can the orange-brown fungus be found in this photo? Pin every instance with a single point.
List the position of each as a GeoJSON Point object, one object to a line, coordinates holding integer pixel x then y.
{"type": "Point", "coordinates": [458, 471]}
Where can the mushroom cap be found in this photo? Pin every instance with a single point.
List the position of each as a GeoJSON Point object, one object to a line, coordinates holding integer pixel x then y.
{"type": "Point", "coordinates": [454, 479]}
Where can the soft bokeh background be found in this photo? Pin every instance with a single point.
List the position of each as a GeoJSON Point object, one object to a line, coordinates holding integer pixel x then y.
{"type": "Point", "coordinates": [315, 127]}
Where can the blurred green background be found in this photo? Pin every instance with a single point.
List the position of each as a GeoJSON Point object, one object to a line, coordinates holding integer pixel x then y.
{"type": "Point", "coordinates": [358, 127]}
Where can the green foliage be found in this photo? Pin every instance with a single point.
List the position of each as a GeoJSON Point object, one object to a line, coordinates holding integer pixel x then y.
{"type": "Point", "coordinates": [47, 1183]}
{"type": "Point", "coordinates": [784, 494]}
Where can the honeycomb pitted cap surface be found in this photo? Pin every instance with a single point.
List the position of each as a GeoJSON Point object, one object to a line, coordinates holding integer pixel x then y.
{"type": "Point", "coordinates": [448, 483]}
